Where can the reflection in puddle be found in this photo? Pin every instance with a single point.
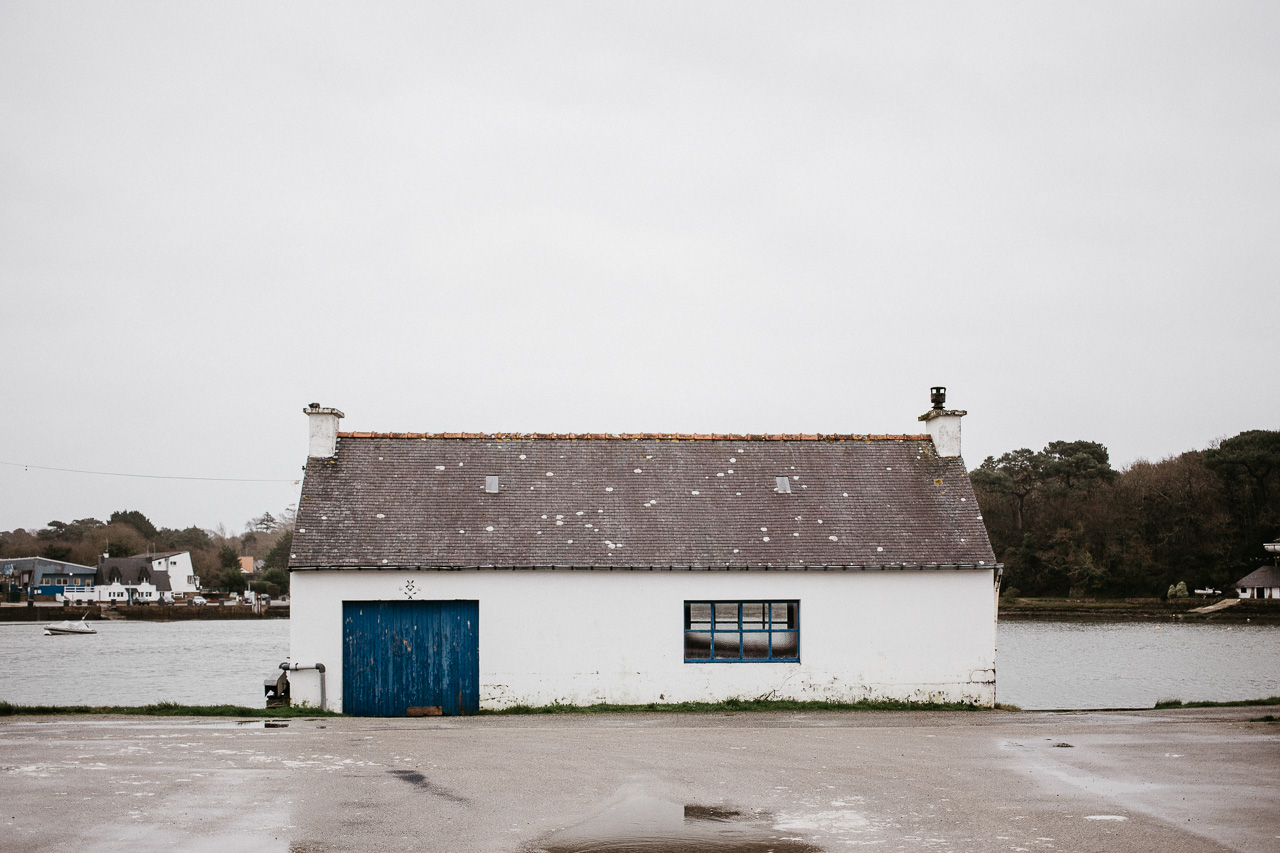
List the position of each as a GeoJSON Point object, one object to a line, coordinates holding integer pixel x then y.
{"type": "Point", "coordinates": [640, 823]}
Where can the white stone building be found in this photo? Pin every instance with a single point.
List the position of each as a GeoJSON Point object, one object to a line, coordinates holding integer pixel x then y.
{"type": "Point", "coordinates": [463, 571]}
{"type": "Point", "coordinates": [1262, 583]}
{"type": "Point", "coordinates": [150, 577]}
{"type": "Point", "coordinates": [177, 565]}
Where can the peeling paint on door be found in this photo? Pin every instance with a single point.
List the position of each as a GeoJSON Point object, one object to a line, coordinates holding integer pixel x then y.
{"type": "Point", "coordinates": [399, 655]}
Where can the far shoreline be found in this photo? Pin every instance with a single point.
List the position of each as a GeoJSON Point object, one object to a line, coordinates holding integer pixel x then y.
{"type": "Point", "coordinates": [1248, 610]}
{"type": "Point", "coordinates": [212, 612]}
{"type": "Point", "coordinates": [1021, 609]}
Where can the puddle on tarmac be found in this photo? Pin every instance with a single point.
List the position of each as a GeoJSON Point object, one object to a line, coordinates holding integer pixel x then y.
{"type": "Point", "coordinates": [642, 824]}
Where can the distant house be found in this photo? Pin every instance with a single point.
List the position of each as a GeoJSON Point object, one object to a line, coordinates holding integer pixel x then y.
{"type": "Point", "coordinates": [1263, 583]}
{"type": "Point", "coordinates": [150, 577]}
{"type": "Point", "coordinates": [467, 571]}
{"type": "Point", "coordinates": [46, 577]}
{"type": "Point", "coordinates": [134, 576]}
{"type": "Point", "coordinates": [112, 593]}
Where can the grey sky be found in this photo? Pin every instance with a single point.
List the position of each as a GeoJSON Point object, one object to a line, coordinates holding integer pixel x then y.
{"type": "Point", "coordinates": [641, 217]}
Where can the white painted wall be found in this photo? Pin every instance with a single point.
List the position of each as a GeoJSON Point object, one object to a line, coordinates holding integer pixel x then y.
{"type": "Point", "coordinates": [115, 592]}
{"type": "Point", "coordinates": [102, 592]}
{"type": "Point", "coordinates": [593, 636]}
{"type": "Point", "coordinates": [182, 577]}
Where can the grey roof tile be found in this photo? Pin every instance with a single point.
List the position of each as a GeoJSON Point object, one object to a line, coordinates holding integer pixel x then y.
{"type": "Point", "coordinates": [1260, 577]}
{"type": "Point", "coordinates": [414, 500]}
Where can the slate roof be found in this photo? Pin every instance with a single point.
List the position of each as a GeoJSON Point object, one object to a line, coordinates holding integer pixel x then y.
{"type": "Point", "coordinates": [389, 500]}
{"type": "Point", "coordinates": [1267, 576]}
{"type": "Point", "coordinates": [132, 570]}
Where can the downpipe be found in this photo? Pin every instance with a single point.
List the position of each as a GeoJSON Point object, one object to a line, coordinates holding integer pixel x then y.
{"type": "Point", "coordinates": [319, 667]}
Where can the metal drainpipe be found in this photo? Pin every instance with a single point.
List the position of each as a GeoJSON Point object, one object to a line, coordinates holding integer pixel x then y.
{"type": "Point", "coordinates": [319, 667]}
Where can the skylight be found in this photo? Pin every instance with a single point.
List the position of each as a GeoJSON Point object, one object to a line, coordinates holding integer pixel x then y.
{"type": "Point", "coordinates": [783, 486]}
{"type": "Point", "coordinates": [491, 484]}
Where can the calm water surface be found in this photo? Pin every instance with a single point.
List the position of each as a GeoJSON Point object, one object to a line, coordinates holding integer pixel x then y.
{"type": "Point", "coordinates": [138, 663]}
{"type": "Point", "coordinates": [1039, 664]}
{"type": "Point", "coordinates": [1133, 664]}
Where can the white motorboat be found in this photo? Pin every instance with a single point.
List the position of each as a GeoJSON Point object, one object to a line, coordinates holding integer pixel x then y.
{"type": "Point", "coordinates": [68, 627]}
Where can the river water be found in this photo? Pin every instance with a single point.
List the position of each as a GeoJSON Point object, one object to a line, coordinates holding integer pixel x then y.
{"type": "Point", "coordinates": [1051, 665]}
{"type": "Point", "coordinates": [1040, 665]}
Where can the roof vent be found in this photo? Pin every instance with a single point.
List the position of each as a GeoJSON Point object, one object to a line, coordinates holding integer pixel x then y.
{"type": "Point", "coordinates": [782, 485]}
{"type": "Point", "coordinates": [491, 484]}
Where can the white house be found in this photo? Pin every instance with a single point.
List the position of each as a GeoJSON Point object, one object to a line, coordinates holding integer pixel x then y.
{"type": "Point", "coordinates": [466, 571]}
{"type": "Point", "coordinates": [149, 577]}
{"type": "Point", "coordinates": [177, 566]}
{"type": "Point", "coordinates": [1262, 583]}
{"type": "Point", "coordinates": [112, 593]}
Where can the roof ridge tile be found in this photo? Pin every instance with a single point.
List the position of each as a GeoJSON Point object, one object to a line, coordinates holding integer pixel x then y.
{"type": "Point", "coordinates": [636, 436]}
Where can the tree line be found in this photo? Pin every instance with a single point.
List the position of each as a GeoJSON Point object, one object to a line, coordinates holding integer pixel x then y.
{"type": "Point", "coordinates": [1064, 522]}
{"type": "Point", "coordinates": [215, 554]}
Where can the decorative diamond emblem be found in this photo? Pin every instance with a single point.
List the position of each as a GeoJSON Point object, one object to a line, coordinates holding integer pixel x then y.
{"type": "Point", "coordinates": [409, 589]}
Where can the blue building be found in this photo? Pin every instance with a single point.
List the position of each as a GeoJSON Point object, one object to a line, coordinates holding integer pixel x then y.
{"type": "Point", "coordinates": [43, 576]}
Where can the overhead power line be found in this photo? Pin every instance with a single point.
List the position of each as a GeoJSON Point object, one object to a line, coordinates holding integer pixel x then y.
{"type": "Point", "coordinates": [146, 476]}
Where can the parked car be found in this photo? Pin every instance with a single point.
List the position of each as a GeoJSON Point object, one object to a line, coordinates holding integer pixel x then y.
{"type": "Point", "coordinates": [198, 600]}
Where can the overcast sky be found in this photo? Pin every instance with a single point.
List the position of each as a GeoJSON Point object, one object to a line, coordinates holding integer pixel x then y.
{"type": "Point", "coordinates": [700, 217]}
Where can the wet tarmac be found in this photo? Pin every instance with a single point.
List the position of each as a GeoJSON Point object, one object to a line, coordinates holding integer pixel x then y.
{"type": "Point", "coordinates": [638, 823]}
{"type": "Point", "coordinates": [1182, 780]}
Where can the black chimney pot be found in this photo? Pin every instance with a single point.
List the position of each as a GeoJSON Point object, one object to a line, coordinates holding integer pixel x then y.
{"type": "Point", "coordinates": [938, 396]}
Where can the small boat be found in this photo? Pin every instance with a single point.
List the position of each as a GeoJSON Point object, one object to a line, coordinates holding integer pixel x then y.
{"type": "Point", "coordinates": [68, 627]}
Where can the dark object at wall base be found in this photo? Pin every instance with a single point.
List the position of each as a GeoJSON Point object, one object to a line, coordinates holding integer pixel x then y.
{"type": "Point", "coordinates": [277, 690]}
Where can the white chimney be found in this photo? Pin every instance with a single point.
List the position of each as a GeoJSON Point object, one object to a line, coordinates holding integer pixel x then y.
{"type": "Point", "coordinates": [324, 431]}
{"type": "Point", "coordinates": [943, 424]}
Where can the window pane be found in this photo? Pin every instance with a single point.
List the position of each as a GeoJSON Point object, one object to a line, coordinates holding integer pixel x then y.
{"type": "Point", "coordinates": [726, 614]}
{"type": "Point", "coordinates": [755, 646]}
{"type": "Point", "coordinates": [755, 631]}
{"type": "Point", "coordinates": [753, 615]}
{"type": "Point", "coordinates": [786, 644]}
{"type": "Point", "coordinates": [726, 646]}
{"type": "Point", "coordinates": [697, 645]}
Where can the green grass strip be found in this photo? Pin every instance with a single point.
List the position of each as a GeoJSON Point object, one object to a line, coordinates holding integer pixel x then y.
{"type": "Point", "coordinates": [162, 709]}
{"type": "Point", "coordinates": [737, 705]}
{"type": "Point", "coordinates": [172, 709]}
{"type": "Point", "coordinates": [1178, 703]}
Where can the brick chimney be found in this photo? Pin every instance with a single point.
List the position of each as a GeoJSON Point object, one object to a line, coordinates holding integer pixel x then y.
{"type": "Point", "coordinates": [323, 423]}
{"type": "Point", "coordinates": [943, 423]}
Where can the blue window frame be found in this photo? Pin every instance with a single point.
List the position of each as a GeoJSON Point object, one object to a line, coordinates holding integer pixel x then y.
{"type": "Point", "coordinates": [741, 631]}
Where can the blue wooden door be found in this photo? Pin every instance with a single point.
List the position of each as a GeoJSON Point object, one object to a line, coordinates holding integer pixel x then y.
{"type": "Point", "coordinates": [399, 655]}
